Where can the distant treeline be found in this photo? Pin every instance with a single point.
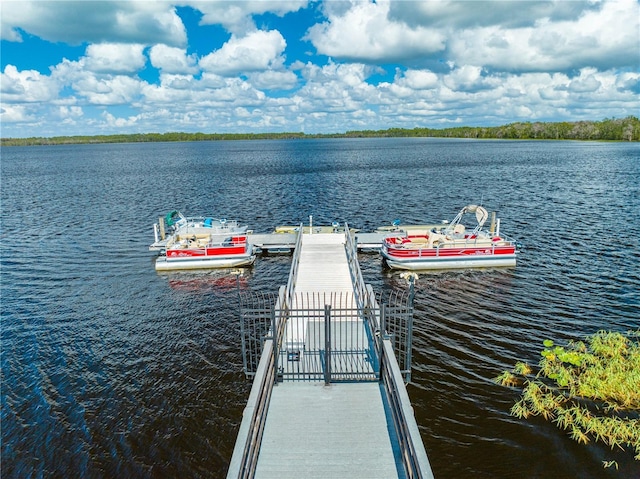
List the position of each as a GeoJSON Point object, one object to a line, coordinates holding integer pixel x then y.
{"type": "Point", "coordinates": [626, 129]}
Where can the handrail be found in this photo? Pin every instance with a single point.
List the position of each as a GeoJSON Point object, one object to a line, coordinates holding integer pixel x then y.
{"type": "Point", "coordinates": [279, 317]}
{"type": "Point", "coordinates": [414, 456]}
{"type": "Point", "coordinates": [245, 456]}
{"type": "Point", "coordinates": [359, 287]}
{"type": "Point", "coordinates": [247, 448]}
{"type": "Point", "coordinates": [472, 243]}
{"type": "Point", "coordinates": [293, 272]}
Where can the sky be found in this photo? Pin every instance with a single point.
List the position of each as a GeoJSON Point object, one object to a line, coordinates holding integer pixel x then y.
{"type": "Point", "coordinates": [110, 67]}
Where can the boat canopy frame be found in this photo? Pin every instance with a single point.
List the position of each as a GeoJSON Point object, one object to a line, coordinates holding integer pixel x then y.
{"type": "Point", "coordinates": [481, 218]}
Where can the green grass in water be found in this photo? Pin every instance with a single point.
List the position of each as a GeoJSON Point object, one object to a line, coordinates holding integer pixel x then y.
{"type": "Point", "coordinates": [591, 390]}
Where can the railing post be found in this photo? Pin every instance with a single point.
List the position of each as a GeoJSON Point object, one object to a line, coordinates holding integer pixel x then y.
{"type": "Point", "coordinates": [327, 344]}
{"type": "Point", "coordinates": [243, 340]}
{"type": "Point", "coordinates": [381, 336]}
{"type": "Point", "coordinates": [412, 292]}
{"type": "Point", "coordinates": [276, 346]}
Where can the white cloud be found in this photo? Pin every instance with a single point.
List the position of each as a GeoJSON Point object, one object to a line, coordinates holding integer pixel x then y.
{"type": "Point", "coordinates": [468, 78]}
{"type": "Point", "coordinates": [183, 93]}
{"type": "Point", "coordinates": [365, 33]}
{"type": "Point", "coordinates": [514, 36]}
{"type": "Point", "coordinates": [236, 17]}
{"type": "Point", "coordinates": [628, 82]}
{"type": "Point", "coordinates": [26, 86]}
{"type": "Point", "coordinates": [179, 82]}
{"type": "Point", "coordinates": [274, 80]}
{"type": "Point", "coordinates": [113, 121]}
{"type": "Point", "coordinates": [15, 114]}
{"type": "Point", "coordinates": [457, 14]}
{"type": "Point", "coordinates": [114, 58]}
{"type": "Point", "coordinates": [602, 38]}
{"type": "Point", "coordinates": [336, 88]}
{"type": "Point", "coordinates": [172, 59]}
{"type": "Point", "coordinates": [68, 112]}
{"type": "Point", "coordinates": [76, 22]}
{"type": "Point", "coordinates": [587, 82]}
{"type": "Point", "coordinates": [69, 115]}
{"type": "Point", "coordinates": [418, 79]}
{"type": "Point", "coordinates": [346, 73]}
{"type": "Point", "coordinates": [174, 90]}
{"type": "Point", "coordinates": [110, 90]}
{"type": "Point", "coordinates": [258, 50]}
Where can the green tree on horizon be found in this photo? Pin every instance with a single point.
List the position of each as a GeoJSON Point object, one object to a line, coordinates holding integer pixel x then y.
{"type": "Point", "coordinates": [609, 129]}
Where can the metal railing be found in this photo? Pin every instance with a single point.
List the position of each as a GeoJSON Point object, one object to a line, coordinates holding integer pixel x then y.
{"type": "Point", "coordinates": [397, 325]}
{"type": "Point", "coordinates": [256, 324]}
{"type": "Point", "coordinates": [359, 288]}
{"type": "Point", "coordinates": [293, 272]}
{"type": "Point", "coordinates": [412, 451]}
{"type": "Point", "coordinates": [341, 343]}
{"type": "Point", "coordinates": [260, 309]}
{"type": "Point", "coordinates": [314, 328]}
{"type": "Point", "coordinates": [448, 248]}
{"type": "Point", "coordinates": [327, 338]}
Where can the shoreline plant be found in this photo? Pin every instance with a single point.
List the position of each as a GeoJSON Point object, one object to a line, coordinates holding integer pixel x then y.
{"type": "Point", "coordinates": [590, 389]}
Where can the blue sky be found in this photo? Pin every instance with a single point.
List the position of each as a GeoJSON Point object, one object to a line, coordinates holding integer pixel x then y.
{"type": "Point", "coordinates": [96, 67]}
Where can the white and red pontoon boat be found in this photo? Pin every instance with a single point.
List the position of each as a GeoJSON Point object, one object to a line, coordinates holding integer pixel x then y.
{"type": "Point", "coordinates": [451, 246]}
{"type": "Point", "coordinates": [197, 251]}
{"type": "Point", "coordinates": [175, 223]}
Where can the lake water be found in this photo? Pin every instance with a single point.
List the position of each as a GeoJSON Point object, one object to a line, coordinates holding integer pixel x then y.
{"type": "Point", "coordinates": [110, 369]}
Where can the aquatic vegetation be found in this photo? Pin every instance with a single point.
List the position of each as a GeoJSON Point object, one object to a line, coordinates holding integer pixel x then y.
{"type": "Point", "coordinates": [590, 389]}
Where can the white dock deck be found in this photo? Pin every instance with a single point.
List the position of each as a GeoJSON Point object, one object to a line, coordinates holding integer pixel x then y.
{"type": "Point", "coordinates": [312, 429]}
{"type": "Point", "coordinates": [318, 431]}
{"type": "Point", "coordinates": [323, 265]}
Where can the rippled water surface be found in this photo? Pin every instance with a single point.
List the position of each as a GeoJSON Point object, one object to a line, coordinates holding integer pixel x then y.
{"type": "Point", "coordinates": [112, 370]}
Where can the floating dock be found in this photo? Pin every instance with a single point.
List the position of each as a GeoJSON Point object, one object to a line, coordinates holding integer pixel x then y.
{"type": "Point", "coordinates": [285, 242]}
{"type": "Point", "coordinates": [329, 359]}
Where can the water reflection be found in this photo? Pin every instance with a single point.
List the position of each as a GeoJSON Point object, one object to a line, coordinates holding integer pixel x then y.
{"type": "Point", "coordinates": [219, 281]}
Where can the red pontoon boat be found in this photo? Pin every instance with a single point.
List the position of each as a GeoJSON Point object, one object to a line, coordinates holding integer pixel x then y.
{"type": "Point", "coordinates": [451, 246]}
{"type": "Point", "coordinates": [196, 251]}
{"type": "Point", "coordinates": [175, 223]}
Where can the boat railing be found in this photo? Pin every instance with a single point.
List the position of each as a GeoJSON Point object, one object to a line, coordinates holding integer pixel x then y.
{"type": "Point", "coordinates": [206, 241]}
{"type": "Point", "coordinates": [508, 239]}
{"type": "Point", "coordinates": [473, 241]}
{"type": "Point", "coordinates": [187, 224]}
{"type": "Point", "coordinates": [481, 242]}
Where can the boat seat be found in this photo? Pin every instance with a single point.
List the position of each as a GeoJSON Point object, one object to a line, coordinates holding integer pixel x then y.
{"type": "Point", "coordinates": [436, 237]}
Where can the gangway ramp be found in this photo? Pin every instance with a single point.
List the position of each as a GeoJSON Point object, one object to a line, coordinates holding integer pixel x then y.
{"type": "Point", "coordinates": [323, 265]}
{"type": "Point", "coordinates": [323, 270]}
{"type": "Point", "coordinates": [328, 397]}
{"type": "Point", "coordinates": [318, 431]}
